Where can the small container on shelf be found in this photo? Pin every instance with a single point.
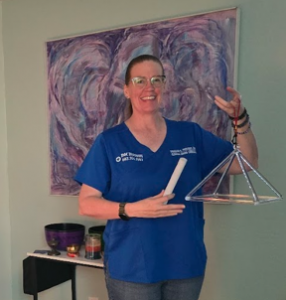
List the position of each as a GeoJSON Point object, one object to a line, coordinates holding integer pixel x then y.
{"type": "Point", "coordinates": [93, 246]}
{"type": "Point", "coordinates": [100, 230]}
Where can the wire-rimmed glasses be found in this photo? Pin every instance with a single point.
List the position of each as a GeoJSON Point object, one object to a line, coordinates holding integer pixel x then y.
{"type": "Point", "coordinates": [156, 81]}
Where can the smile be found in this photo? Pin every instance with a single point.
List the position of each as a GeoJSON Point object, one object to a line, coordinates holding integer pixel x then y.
{"type": "Point", "coordinates": [148, 98]}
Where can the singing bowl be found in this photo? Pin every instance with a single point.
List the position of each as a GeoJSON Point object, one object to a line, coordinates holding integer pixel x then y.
{"type": "Point", "coordinates": [65, 234]}
{"type": "Point", "coordinates": [73, 248]}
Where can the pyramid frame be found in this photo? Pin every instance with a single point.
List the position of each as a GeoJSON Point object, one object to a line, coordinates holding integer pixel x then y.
{"type": "Point", "coordinates": [217, 198]}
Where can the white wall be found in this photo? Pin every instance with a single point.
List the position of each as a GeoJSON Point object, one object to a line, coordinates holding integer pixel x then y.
{"type": "Point", "coordinates": [246, 245]}
{"type": "Point", "coordinates": [5, 232]}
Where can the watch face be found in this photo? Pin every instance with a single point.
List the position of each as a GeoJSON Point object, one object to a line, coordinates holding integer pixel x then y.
{"type": "Point", "coordinates": [122, 213]}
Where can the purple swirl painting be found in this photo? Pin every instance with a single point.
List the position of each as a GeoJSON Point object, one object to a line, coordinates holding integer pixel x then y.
{"type": "Point", "coordinates": [86, 79]}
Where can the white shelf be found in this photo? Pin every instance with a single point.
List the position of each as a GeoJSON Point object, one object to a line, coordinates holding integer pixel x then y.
{"type": "Point", "coordinates": [80, 260]}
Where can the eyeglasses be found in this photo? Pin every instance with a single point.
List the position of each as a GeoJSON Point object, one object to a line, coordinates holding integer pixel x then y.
{"type": "Point", "coordinates": [156, 81]}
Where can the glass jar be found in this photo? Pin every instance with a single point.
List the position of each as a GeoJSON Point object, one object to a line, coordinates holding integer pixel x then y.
{"type": "Point", "coordinates": [92, 246]}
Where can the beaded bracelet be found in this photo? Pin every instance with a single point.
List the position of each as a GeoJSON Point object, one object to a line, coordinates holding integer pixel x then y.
{"type": "Point", "coordinates": [243, 123]}
{"type": "Point", "coordinates": [241, 116]}
{"type": "Point", "coordinates": [247, 130]}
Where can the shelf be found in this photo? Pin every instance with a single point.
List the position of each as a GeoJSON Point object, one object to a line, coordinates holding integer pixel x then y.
{"type": "Point", "coordinates": [80, 260]}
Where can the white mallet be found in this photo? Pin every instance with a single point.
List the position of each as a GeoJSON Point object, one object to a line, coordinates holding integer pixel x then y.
{"type": "Point", "coordinates": [175, 176]}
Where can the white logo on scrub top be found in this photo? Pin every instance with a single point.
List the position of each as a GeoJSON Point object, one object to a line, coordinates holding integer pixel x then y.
{"type": "Point", "coordinates": [187, 150]}
{"type": "Point", "coordinates": [127, 156]}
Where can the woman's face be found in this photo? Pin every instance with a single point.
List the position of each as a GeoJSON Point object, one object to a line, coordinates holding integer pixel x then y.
{"type": "Point", "coordinates": [145, 87]}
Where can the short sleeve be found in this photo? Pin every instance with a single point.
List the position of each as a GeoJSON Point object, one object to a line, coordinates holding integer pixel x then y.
{"type": "Point", "coordinates": [95, 169]}
{"type": "Point", "coordinates": [213, 151]}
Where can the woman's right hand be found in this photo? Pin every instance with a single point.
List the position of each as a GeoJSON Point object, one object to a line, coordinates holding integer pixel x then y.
{"type": "Point", "coordinates": [154, 207]}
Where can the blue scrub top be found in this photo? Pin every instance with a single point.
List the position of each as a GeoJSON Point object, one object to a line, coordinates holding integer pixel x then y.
{"type": "Point", "coordinates": [149, 250]}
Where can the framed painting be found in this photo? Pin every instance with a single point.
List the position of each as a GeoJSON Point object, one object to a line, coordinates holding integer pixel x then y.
{"type": "Point", "coordinates": [86, 79]}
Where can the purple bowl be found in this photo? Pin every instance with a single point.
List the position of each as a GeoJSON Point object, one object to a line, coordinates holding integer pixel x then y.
{"type": "Point", "coordinates": [65, 234]}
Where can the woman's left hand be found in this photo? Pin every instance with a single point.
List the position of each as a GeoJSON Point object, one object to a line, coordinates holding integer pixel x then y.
{"type": "Point", "coordinates": [245, 137]}
{"type": "Point", "coordinates": [230, 107]}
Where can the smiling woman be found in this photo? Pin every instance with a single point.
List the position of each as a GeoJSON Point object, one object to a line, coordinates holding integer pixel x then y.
{"type": "Point", "coordinates": [144, 81]}
{"type": "Point", "coordinates": [123, 179]}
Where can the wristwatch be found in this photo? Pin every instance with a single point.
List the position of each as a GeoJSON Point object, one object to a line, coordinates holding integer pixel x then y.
{"type": "Point", "coordinates": [122, 213]}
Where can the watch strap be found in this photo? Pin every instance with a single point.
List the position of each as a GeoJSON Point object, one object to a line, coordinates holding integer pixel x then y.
{"type": "Point", "coordinates": [122, 214]}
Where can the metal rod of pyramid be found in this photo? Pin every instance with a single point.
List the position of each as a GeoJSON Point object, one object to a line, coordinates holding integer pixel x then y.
{"type": "Point", "coordinates": [224, 174]}
{"type": "Point", "coordinates": [250, 185]}
{"type": "Point", "coordinates": [219, 166]}
{"type": "Point", "coordinates": [261, 177]}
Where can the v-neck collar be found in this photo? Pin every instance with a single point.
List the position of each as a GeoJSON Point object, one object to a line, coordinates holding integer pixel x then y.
{"type": "Point", "coordinates": [144, 146]}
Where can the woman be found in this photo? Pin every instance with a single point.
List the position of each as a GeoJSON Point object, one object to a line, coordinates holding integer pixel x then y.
{"type": "Point", "coordinates": [153, 250]}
